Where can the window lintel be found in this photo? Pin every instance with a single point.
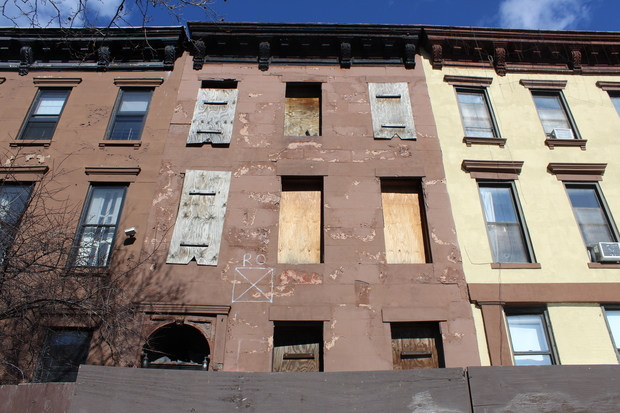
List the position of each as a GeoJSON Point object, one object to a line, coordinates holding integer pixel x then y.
{"type": "Point", "coordinates": [471, 81]}
{"type": "Point", "coordinates": [138, 81]}
{"type": "Point", "coordinates": [111, 173]}
{"type": "Point", "coordinates": [608, 86]}
{"type": "Point", "coordinates": [501, 170]}
{"type": "Point", "coordinates": [543, 84]}
{"type": "Point", "coordinates": [577, 171]}
{"type": "Point", "coordinates": [23, 173]}
{"type": "Point", "coordinates": [56, 81]}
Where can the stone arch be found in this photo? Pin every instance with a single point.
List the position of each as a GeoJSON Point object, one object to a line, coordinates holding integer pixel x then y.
{"type": "Point", "coordinates": [177, 346]}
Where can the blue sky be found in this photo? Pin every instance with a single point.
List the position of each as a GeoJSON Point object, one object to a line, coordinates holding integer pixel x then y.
{"type": "Point", "coordinates": [603, 15]}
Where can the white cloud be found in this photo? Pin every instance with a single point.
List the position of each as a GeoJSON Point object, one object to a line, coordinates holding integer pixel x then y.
{"type": "Point", "coordinates": [44, 13]}
{"type": "Point", "coordinates": [543, 14]}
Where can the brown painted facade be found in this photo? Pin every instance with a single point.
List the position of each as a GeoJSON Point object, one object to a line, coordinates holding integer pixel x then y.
{"type": "Point", "coordinates": [348, 291]}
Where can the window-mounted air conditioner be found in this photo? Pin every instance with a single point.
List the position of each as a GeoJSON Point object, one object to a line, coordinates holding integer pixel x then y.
{"type": "Point", "coordinates": [562, 133]}
{"type": "Point", "coordinates": [607, 251]}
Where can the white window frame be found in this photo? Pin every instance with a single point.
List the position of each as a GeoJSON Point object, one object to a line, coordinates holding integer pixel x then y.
{"type": "Point", "coordinates": [512, 313]}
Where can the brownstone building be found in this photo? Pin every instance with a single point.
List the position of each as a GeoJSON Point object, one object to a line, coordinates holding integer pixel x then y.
{"type": "Point", "coordinates": [303, 206]}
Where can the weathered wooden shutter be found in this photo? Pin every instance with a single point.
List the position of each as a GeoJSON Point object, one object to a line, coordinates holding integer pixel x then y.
{"type": "Point", "coordinates": [299, 236]}
{"type": "Point", "coordinates": [214, 116]}
{"type": "Point", "coordinates": [404, 235]}
{"type": "Point", "coordinates": [416, 346]}
{"type": "Point", "coordinates": [299, 358]}
{"type": "Point", "coordinates": [200, 221]}
{"type": "Point", "coordinates": [391, 111]}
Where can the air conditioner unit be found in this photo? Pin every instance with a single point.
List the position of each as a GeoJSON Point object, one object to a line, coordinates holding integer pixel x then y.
{"type": "Point", "coordinates": [562, 133]}
{"type": "Point", "coordinates": [607, 251]}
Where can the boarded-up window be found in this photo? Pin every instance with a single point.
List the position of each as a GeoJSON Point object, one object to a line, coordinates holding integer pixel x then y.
{"type": "Point", "coordinates": [200, 221]}
{"type": "Point", "coordinates": [302, 109]}
{"type": "Point", "coordinates": [300, 234]}
{"type": "Point", "coordinates": [391, 111]}
{"type": "Point", "coordinates": [416, 346]}
{"type": "Point", "coordinates": [404, 223]}
{"type": "Point", "coordinates": [214, 113]}
{"type": "Point", "coordinates": [298, 346]}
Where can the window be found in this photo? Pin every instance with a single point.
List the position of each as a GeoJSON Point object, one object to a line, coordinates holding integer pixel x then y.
{"type": "Point", "coordinates": [214, 113]}
{"type": "Point", "coordinates": [13, 203]}
{"type": "Point", "coordinates": [404, 224]}
{"type": "Point", "coordinates": [613, 322]}
{"type": "Point", "coordinates": [44, 114]}
{"type": "Point", "coordinates": [63, 352]}
{"type": "Point", "coordinates": [301, 220]}
{"type": "Point", "coordinates": [530, 337]}
{"type": "Point", "coordinates": [98, 226]}
{"type": "Point", "coordinates": [476, 113]}
{"type": "Point", "coordinates": [180, 347]}
{"type": "Point", "coordinates": [505, 227]}
{"type": "Point", "coordinates": [390, 106]}
{"type": "Point", "coordinates": [297, 346]}
{"type": "Point", "coordinates": [129, 114]}
{"type": "Point", "coordinates": [416, 346]}
{"type": "Point", "coordinates": [200, 220]}
{"type": "Point", "coordinates": [554, 115]}
{"type": "Point", "coordinates": [302, 109]}
{"type": "Point", "coordinates": [615, 99]}
{"type": "Point", "coordinates": [590, 212]}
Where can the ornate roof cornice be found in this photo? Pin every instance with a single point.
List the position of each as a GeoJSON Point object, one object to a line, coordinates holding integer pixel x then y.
{"type": "Point", "coordinates": [509, 50]}
{"type": "Point", "coordinates": [98, 49]}
{"type": "Point", "coordinates": [308, 43]}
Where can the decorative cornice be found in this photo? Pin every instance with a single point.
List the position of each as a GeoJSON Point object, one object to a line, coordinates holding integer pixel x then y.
{"type": "Point", "coordinates": [577, 171]}
{"type": "Point", "coordinates": [111, 170]}
{"type": "Point", "coordinates": [543, 84]}
{"type": "Point", "coordinates": [506, 170]}
{"type": "Point", "coordinates": [269, 44]}
{"type": "Point", "coordinates": [171, 308]}
{"type": "Point", "coordinates": [56, 81]}
{"type": "Point", "coordinates": [90, 49]}
{"type": "Point", "coordinates": [472, 81]}
{"type": "Point", "coordinates": [615, 86]}
{"type": "Point", "coordinates": [138, 81]}
{"type": "Point", "coordinates": [519, 51]}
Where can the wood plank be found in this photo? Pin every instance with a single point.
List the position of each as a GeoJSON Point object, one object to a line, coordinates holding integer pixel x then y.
{"type": "Point", "coordinates": [299, 238]}
{"type": "Point", "coordinates": [200, 219]}
{"type": "Point", "coordinates": [295, 364]}
{"type": "Point", "coordinates": [302, 116]}
{"type": "Point", "coordinates": [545, 389]}
{"type": "Point", "coordinates": [390, 107]}
{"type": "Point", "coordinates": [404, 237]}
{"type": "Point", "coordinates": [115, 389]}
{"type": "Point", "coordinates": [414, 346]}
{"type": "Point", "coordinates": [214, 116]}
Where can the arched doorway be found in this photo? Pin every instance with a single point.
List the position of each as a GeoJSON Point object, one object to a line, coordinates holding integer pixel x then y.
{"type": "Point", "coordinates": [176, 347]}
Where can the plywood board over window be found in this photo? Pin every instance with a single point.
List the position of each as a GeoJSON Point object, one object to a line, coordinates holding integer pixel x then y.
{"type": "Point", "coordinates": [416, 346]}
{"type": "Point", "coordinates": [299, 238]}
{"type": "Point", "coordinates": [404, 223]}
{"type": "Point", "coordinates": [214, 114]}
{"type": "Point", "coordinates": [390, 106]}
{"type": "Point", "coordinates": [298, 346]}
{"type": "Point", "coordinates": [200, 221]}
{"type": "Point", "coordinates": [302, 109]}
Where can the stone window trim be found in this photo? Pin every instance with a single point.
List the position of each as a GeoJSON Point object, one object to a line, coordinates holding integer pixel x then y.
{"type": "Point", "coordinates": [608, 86]}
{"type": "Point", "coordinates": [468, 81]}
{"type": "Point", "coordinates": [543, 84]}
{"type": "Point", "coordinates": [22, 173]}
{"type": "Point", "coordinates": [299, 313]}
{"type": "Point", "coordinates": [138, 81]}
{"type": "Point", "coordinates": [49, 81]}
{"type": "Point", "coordinates": [493, 170]}
{"type": "Point", "coordinates": [112, 173]}
{"type": "Point", "coordinates": [587, 172]}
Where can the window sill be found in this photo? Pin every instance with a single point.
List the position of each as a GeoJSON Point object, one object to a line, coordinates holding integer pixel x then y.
{"type": "Point", "coordinates": [135, 144]}
{"type": "Point", "coordinates": [516, 265]}
{"type": "Point", "coordinates": [551, 143]}
{"type": "Point", "coordinates": [484, 141]}
{"type": "Point", "coordinates": [602, 265]}
{"type": "Point", "coordinates": [31, 142]}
